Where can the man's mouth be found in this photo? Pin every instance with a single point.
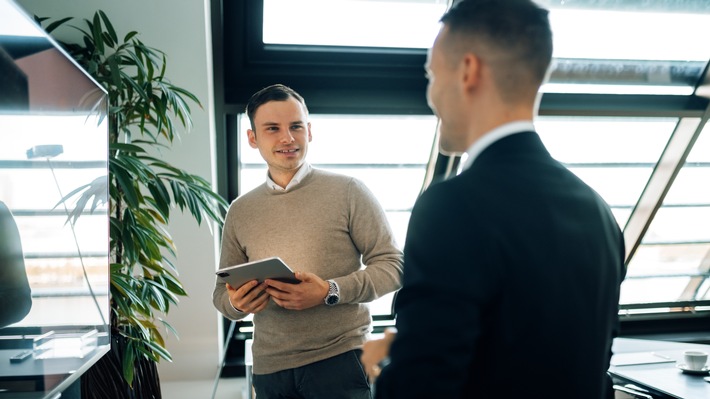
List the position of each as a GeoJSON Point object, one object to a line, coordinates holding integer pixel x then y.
{"type": "Point", "coordinates": [288, 151]}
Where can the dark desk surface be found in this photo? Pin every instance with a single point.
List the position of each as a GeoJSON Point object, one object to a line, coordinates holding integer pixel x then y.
{"type": "Point", "coordinates": [664, 378]}
{"type": "Point", "coordinates": [41, 378]}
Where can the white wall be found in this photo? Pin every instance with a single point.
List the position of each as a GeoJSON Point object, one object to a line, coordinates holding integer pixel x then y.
{"type": "Point", "coordinates": [181, 29]}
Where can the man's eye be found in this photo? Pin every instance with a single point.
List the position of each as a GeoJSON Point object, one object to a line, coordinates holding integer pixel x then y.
{"type": "Point", "coordinates": [297, 127]}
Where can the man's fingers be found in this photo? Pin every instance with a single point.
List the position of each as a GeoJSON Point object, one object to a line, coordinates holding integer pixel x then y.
{"type": "Point", "coordinates": [304, 276]}
{"type": "Point", "coordinates": [247, 287]}
{"type": "Point", "coordinates": [249, 296]}
{"type": "Point", "coordinates": [374, 373]}
{"type": "Point", "coordinates": [280, 285]}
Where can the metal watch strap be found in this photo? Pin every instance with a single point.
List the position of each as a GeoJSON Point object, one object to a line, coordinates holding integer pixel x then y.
{"type": "Point", "coordinates": [333, 296]}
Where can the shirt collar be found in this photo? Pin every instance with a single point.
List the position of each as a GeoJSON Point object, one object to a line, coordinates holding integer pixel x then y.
{"type": "Point", "coordinates": [302, 172]}
{"type": "Point", "coordinates": [494, 135]}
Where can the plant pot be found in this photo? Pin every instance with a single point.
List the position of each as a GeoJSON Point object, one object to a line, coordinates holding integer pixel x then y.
{"type": "Point", "coordinates": [105, 378]}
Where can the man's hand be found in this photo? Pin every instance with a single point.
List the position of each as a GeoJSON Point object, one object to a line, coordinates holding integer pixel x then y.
{"type": "Point", "coordinates": [309, 293]}
{"type": "Point", "coordinates": [375, 351]}
{"type": "Point", "coordinates": [249, 298]}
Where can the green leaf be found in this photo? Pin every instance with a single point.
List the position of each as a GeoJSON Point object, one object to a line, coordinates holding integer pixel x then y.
{"type": "Point", "coordinates": [109, 27]}
{"type": "Point", "coordinates": [96, 34]}
{"type": "Point", "coordinates": [174, 284]}
{"type": "Point", "coordinates": [124, 287]}
{"type": "Point", "coordinates": [129, 358]}
{"type": "Point", "coordinates": [107, 40]}
{"type": "Point", "coordinates": [54, 25]}
{"type": "Point", "coordinates": [161, 196]}
{"type": "Point", "coordinates": [115, 72]}
{"type": "Point", "coordinates": [160, 350]}
{"type": "Point", "coordinates": [169, 328]}
{"type": "Point", "coordinates": [132, 148]}
{"type": "Point", "coordinates": [126, 183]}
{"type": "Point", "coordinates": [134, 85]}
{"type": "Point", "coordinates": [130, 36]}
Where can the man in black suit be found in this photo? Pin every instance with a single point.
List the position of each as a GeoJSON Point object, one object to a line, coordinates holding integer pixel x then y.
{"type": "Point", "coordinates": [512, 268]}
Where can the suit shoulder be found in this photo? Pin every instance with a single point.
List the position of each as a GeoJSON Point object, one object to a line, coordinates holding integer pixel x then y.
{"type": "Point", "coordinates": [444, 196]}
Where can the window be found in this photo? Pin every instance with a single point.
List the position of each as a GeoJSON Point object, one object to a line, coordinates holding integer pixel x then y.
{"type": "Point", "coordinates": [671, 267]}
{"type": "Point", "coordinates": [631, 55]}
{"type": "Point", "coordinates": [385, 21]}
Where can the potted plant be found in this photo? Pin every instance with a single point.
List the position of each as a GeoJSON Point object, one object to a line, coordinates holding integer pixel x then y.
{"type": "Point", "coordinates": [145, 113]}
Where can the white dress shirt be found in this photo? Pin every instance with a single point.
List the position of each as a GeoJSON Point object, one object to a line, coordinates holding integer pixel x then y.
{"type": "Point", "coordinates": [494, 135]}
{"type": "Point", "coordinates": [302, 172]}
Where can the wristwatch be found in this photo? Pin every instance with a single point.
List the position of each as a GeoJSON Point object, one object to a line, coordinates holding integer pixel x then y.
{"type": "Point", "coordinates": [333, 295]}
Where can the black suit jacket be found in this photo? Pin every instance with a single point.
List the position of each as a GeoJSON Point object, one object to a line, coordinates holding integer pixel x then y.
{"type": "Point", "coordinates": [511, 283]}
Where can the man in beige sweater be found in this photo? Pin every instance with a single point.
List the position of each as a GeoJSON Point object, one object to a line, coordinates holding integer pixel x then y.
{"type": "Point", "coordinates": [332, 231]}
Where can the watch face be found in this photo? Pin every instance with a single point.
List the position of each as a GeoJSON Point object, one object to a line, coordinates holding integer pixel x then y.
{"type": "Point", "coordinates": [332, 300]}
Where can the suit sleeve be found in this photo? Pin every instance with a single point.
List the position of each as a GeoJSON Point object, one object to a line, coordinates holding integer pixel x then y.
{"type": "Point", "coordinates": [447, 275]}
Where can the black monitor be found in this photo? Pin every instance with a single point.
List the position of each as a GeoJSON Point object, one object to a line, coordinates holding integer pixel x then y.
{"type": "Point", "coordinates": [54, 252]}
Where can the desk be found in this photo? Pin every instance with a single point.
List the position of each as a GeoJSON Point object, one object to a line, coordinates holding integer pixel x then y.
{"type": "Point", "coordinates": [660, 378]}
{"type": "Point", "coordinates": [38, 378]}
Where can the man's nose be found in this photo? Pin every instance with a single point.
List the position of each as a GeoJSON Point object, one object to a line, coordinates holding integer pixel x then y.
{"type": "Point", "coordinates": [287, 137]}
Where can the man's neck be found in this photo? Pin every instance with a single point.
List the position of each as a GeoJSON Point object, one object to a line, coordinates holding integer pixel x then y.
{"type": "Point", "coordinates": [498, 117]}
{"type": "Point", "coordinates": [282, 179]}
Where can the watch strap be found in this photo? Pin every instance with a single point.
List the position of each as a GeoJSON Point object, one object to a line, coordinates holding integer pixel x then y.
{"type": "Point", "coordinates": [333, 295]}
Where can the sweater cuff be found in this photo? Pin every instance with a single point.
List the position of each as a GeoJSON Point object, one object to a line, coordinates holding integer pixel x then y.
{"type": "Point", "coordinates": [235, 309]}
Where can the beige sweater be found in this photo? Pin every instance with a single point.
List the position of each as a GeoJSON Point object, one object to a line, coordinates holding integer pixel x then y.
{"type": "Point", "coordinates": [323, 225]}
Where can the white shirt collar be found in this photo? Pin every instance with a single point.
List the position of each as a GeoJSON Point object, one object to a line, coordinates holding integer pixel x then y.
{"type": "Point", "coordinates": [494, 135]}
{"type": "Point", "coordinates": [302, 172]}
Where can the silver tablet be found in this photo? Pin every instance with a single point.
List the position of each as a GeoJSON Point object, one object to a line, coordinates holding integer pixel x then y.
{"type": "Point", "coordinates": [271, 268]}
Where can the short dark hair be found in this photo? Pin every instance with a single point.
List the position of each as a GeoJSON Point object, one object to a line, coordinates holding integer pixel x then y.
{"type": "Point", "coordinates": [514, 34]}
{"type": "Point", "coordinates": [276, 92]}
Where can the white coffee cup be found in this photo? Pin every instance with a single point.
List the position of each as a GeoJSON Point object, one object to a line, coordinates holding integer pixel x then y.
{"type": "Point", "coordinates": [695, 360]}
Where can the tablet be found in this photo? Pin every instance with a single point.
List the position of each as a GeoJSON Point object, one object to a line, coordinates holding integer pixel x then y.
{"type": "Point", "coordinates": [271, 268]}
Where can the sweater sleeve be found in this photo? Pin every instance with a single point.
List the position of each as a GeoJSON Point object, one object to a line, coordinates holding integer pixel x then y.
{"type": "Point", "coordinates": [372, 235]}
{"type": "Point", "coordinates": [231, 254]}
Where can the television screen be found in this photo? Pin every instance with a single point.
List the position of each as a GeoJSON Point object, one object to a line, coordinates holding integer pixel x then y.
{"type": "Point", "coordinates": [54, 260]}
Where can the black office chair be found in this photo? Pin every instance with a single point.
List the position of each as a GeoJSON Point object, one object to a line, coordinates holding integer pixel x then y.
{"type": "Point", "coordinates": [15, 293]}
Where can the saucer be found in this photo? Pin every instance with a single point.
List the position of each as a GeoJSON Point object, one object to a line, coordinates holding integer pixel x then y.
{"type": "Point", "coordinates": [705, 370]}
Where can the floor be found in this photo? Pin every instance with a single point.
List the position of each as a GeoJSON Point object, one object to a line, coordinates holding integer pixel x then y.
{"type": "Point", "coordinates": [227, 388]}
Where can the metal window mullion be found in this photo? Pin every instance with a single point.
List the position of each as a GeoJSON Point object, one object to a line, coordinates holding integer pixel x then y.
{"type": "Point", "coordinates": [692, 290]}
{"type": "Point", "coordinates": [667, 168]}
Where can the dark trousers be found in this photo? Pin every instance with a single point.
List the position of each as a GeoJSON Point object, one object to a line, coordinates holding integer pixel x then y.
{"type": "Point", "coordinates": [340, 377]}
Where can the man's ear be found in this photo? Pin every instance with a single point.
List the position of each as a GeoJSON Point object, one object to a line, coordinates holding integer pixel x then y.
{"type": "Point", "coordinates": [470, 71]}
{"type": "Point", "coordinates": [309, 132]}
{"type": "Point", "coordinates": [252, 138]}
